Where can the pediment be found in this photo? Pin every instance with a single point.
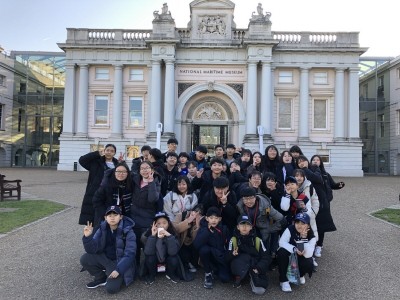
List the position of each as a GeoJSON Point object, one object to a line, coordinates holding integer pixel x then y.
{"type": "Point", "coordinates": [212, 4]}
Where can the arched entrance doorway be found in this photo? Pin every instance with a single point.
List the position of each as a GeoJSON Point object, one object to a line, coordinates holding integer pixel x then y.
{"type": "Point", "coordinates": [214, 110]}
{"type": "Point", "coordinates": [209, 120]}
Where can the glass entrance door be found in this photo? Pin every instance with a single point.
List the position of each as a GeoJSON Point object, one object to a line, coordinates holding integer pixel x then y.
{"type": "Point", "coordinates": [41, 142]}
{"type": "Point", "coordinates": [209, 136]}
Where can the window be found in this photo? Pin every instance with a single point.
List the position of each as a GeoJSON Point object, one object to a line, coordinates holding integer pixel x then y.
{"type": "Point", "coordinates": [21, 113]}
{"type": "Point", "coordinates": [22, 87]}
{"type": "Point", "coordinates": [398, 73]}
{"type": "Point", "coordinates": [102, 74]}
{"type": "Point", "coordinates": [380, 87]}
{"type": "Point", "coordinates": [365, 90]}
{"type": "Point", "coordinates": [325, 156]}
{"type": "Point", "coordinates": [320, 118]}
{"type": "Point", "coordinates": [136, 74]}
{"type": "Point", "coordinates": [381, 120]}
{"type": "Point", "coordinates": [2, 80]}
{"type": "Point", "coordinates": [380, 81]}
{"type": "Point", "coordinates": [101, 110]}
{"type": "Point", "coordinates": [285, 77]}
{"type": "Point", "coordinates": [285, 113]}
{"type": "Point", "coordinates": [398, 122]}
{"type": "Point", "coordinates": [1, 116]}
{"type": "Point", "coordinates": [321, 78]}
{"type": "Point", "coordinates": [135, 111]}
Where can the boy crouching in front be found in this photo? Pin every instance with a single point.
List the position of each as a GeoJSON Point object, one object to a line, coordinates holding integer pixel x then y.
{"type": "Point", "coordinates": [110, 251]}
{"type": "Point", "coordinates": [248, 255]}
{"type": "Point", "coordinates": [211, 242]}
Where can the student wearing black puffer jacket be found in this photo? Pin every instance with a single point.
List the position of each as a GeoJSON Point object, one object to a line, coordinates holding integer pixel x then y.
{"type": "Point", "coordinates": [145, 196]}
{"type": "Point", "coordinates": [96, 163]}
{"type": "Point", "coordinates": [248, 255]}
{"type": "Point", "coordinates": [324, 217]}
{"type": "Point", "coordinates": [116, 189]}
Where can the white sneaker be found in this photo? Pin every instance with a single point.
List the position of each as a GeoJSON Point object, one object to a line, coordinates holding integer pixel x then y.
{"type": "Point", "coordinates": [302, 280]}
{"type": "Point", "coordinates": [317, 251]}
{"type": "Point", "coordinates": [285, 286]}
{"type": "Point", "coordinates": [314, 262]}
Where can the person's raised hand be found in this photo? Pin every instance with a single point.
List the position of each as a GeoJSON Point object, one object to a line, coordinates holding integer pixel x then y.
{"type": "Point", "coordinates": [224, 198]}
{"type": "Point", "coordinates": [88, 229]}
{"type": "Point", "coordinates": [121, 156]}
{"type": "Point", "coordinates": [154, 229]}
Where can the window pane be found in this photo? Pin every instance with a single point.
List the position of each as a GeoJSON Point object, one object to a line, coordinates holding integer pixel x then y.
{"type": "Point", "coordinates": [135, 111]}
{"type": "Point", "coordinates": [136, 74]}
{"type": "Point", "coordinates": [1, 116]}
{"type": "Point", "coordinates": [320, 114]}
{"type": "Point", "coordinates": [102, 73]}
{"type": "Point", "coordinates": [321, 78]}
{"type": "Point", "coordinates": [101, 110]}
{"type": "Point", "coordinates": [285, 77]}
{"type": "Point", "coordinates": [285, 113]}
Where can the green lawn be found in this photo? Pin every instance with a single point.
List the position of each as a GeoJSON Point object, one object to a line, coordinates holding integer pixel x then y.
{"type": "Point", "coordinates": [26, 212]}
{"type": "Point", "coordinates": [389, 214]}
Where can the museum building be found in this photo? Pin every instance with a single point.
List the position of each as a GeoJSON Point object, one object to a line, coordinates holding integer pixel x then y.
{"type": "Point", "coordinates": [212, 83]}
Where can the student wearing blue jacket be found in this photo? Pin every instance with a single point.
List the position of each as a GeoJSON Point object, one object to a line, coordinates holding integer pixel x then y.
{"type": "Point", "coordinates": [110, 251]}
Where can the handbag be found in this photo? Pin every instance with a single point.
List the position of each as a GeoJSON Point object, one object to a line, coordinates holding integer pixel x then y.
{"type": "Point", "coordinates": [293, 272]}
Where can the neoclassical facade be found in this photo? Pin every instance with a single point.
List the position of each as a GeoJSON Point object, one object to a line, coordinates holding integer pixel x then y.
{"type": "Point", "coordinates": [213, 83]}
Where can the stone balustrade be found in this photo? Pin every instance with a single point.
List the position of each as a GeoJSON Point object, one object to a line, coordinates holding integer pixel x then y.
{"type": "Point", "coordinates": [79, 36]}
{"type": "Point", "coordinates": [289, 39]}
{"type": "Point", "coordinates": [315, 39]}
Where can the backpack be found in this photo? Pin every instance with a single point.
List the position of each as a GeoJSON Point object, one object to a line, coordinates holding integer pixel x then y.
{"type": "Point", "coordinates": [235, 244]}
{"type": "Point", "coordinates": [173, 201]}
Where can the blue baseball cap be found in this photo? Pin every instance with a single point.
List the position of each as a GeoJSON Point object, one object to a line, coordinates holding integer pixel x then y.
{"type": "Point", "coordinates": [302, 217]}
{"type": "Point", "coordinates": [113, 208]}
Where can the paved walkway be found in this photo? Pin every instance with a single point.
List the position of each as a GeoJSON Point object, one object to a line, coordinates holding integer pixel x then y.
{"type": "Point", "coordinates": [360, 261]}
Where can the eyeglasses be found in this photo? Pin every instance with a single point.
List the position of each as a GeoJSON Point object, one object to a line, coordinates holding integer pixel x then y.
{"type": "Point", "coordinates": [256, 178]}
{"type": "Point", "coordinates": [249, 198]}
{"type": "Point", "coordinates": [121, 172]}
{"type": "Point", "coordinates": [145, 169]}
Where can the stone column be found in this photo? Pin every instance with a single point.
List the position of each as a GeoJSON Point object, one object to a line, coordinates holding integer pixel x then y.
{"type": "Point", "coordinates": [155, 103]}
{"type": "Point", "coordinates": [116, 126]}
{"type": "Point", "coordinates": [169, 104]}
{"type": "Point", "coordinates": [272, 95]}
{"type": "Point", "coordinates": [304, 115]}
{"type": "Point", "coordinates": [265, 114]}
{"type": "Point", "coordinates": [339, 105]}
{"type": "Point", "coordinates": [353, 105]}
{"type": "Point", "coordinates": [82, 127]}
{"type": "Point", "coordinates": [251, 107]}
{"type": "Point", "coordinates": [69, 101]}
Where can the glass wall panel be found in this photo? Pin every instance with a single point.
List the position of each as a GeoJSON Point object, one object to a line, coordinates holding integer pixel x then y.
{"type": "Point", "coordinates": [38, 108]}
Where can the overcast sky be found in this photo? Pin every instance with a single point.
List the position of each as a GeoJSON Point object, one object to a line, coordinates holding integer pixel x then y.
{"type": "Point", "coordinates": [37, 25]}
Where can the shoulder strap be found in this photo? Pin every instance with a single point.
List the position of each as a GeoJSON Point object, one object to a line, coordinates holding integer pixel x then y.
{"type": "Point", "coordinates": [258, 243]}
{"type": "Point", "coordinates": [234, 242]}
{"type": "Point", "coordinates": [171, 194]}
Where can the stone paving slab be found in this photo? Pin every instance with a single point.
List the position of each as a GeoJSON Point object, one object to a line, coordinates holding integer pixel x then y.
{"type": "Point", "coordinates": [360, 260]}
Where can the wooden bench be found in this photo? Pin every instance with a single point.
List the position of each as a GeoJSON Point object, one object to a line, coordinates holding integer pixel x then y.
{"type": "Point", "coordinates": [8, 186]}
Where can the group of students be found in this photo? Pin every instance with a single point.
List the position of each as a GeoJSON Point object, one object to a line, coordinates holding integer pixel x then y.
{"type": "Point", "coordinates": [236, 215]}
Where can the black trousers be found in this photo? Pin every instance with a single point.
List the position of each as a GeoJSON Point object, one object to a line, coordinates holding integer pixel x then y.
{"type": "Point", "coordinates": [305, 264]}
{"type": "Point", "coordinates": [95, 264]}
{"type": "Point", "coordinates": [188, 254]}
{"type": "Point", "coordinates": [172, 263]}
{"type": "Point", "coordinates": [211, 259]}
